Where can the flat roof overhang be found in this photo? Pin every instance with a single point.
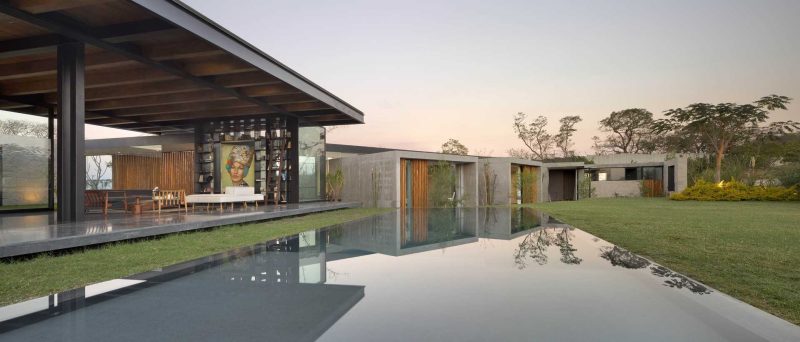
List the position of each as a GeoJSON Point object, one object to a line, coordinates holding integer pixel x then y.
{"type": "Point", "coordinates": [153, 66]}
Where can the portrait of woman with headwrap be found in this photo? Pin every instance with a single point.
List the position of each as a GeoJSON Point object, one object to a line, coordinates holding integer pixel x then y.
{"type": "Point", "coordinates": [238, 164]}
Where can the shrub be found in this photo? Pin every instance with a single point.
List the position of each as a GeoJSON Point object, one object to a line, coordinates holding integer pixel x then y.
{"type": "Point", "coordinates": [788, 174]}
{"type": "Point", "coordinates": [442, 185]}
{"type": "Point", "coordinates": [736, 191]}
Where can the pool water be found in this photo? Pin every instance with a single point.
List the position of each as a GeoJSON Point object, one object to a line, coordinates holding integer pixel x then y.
{"type": "Point", "coordinates": [503, 274]}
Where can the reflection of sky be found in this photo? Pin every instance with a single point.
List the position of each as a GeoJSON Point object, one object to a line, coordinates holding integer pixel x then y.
{"type": "Point", "coordinates": [467, 291]}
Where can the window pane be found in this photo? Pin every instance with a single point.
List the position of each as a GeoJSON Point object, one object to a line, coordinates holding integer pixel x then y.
{"type": "Point", "coordinates": [631, 173]}
{"type": "Point", "coordinates": [24, 157]}
{"type": "Point", "coordinates": [312, 163]}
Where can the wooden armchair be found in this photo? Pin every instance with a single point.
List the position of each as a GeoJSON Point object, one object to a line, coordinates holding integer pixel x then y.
{"type": "Point", "coordinates": [171, 199]}
{"type": "Point", "coordinates": [96, 199]}
{"type": "Point", "coordinates": [104, 200]}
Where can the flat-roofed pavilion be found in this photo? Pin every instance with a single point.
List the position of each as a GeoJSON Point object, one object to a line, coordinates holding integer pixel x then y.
{"type": "Point", "coordinates": [149, 66]}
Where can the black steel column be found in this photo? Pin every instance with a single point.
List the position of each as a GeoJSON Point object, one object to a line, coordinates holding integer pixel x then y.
{"type": "Point", "coordinates": [293, 191]}
{"type": "Point", "coordinates": [51, 186]}
{"type": "Point", "coordinates": [71, 112]}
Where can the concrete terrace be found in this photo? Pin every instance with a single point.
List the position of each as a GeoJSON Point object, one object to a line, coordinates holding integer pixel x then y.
{"type": "Point", "coordinates": [27, 233]}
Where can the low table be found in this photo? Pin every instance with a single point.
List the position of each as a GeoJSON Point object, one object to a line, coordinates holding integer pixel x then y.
{"type": "Point", "coordinates": [222, 199]}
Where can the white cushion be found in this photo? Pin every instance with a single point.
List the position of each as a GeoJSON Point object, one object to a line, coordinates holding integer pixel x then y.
{"type": "Point", "coordinates": [240, 190]}
{"type": "Point", "coordinates": [222, 198]}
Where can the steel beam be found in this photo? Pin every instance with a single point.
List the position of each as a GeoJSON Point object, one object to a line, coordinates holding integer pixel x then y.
{"type": "Point", "coordinates": [51, 186]}
{"type": "Point", "coordinates": [71, 112]}
{"type": "Point", "coordinates": [293, 191]}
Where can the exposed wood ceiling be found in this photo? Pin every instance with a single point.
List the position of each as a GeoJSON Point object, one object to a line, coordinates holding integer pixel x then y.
{"type": "Point", "coordinates": [146, 73]}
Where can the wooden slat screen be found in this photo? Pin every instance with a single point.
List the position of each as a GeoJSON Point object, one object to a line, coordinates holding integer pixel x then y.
{"type": "Point", "coordinates": [130, 172]}
{"type": "Point", "coordinates": [177, 171]}
{"type": "Point", "coordinates": [403, 194]}
{"type": "Point", "coordinates": [173, 170]}
{"type": "Point", "coordinates": [419, 183]}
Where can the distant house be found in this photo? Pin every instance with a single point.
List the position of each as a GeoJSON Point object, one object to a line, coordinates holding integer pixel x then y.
{"type": "Point", "coordinates": [384, 177]}
{"type": "Point", "coordinates": [399, 179]}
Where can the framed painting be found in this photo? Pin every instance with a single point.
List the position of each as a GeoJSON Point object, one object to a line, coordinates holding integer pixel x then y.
{"type": "Point", "coordinates": [236, 167]}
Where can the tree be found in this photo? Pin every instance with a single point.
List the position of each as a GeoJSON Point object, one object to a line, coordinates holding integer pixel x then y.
{"type": "Point", "coordinates": [95, 171]}
{"type": "Point", "coordinates": [453, 146]}
{"type": "Point", "coordinates": [724, 125]}
{"type": "Point", "coordinates": [629, 132]}
{"type": "Point", "coordinates": [565, 132]}
{"type": "Point", "coordinates": [23, 128]}
{"type": "Point", "coordinates": [534, 135]}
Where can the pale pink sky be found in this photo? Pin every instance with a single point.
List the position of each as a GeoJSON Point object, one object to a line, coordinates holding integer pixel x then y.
{"type": "Point", "coordinates": [423, 72]}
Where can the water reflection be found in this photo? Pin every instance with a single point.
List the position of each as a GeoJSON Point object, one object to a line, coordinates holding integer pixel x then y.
{"type": "Point", "coordinates": [623, 258]}
{"type": "Point", "coordinates": [407, 231]}
{"type": "Point", "coordinates": [535, 245]}
{"type": "Point", "coordinates": [678, 281]}
{"type": "Point", "coordinates": [308, 282]}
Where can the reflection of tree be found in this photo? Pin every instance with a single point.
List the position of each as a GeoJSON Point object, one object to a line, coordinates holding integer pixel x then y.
{"type": "Point", "coordinates": [623, 258]}
{"type": "Point", "coordinates": [535, 245]}
{"type": "Point", "coordinates": [620, 257]}
{"type": "Point", "coordinates": [677, 280]}
{"type": "Point", "coordinates": [333, 275]}
{"type": "Point", "coordinates": [489, 220]}
{"type": "Point", "coordinates": [566, 248]}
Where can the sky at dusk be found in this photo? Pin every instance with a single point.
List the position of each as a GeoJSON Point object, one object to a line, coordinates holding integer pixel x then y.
{"type": "Point", "coordinates": [423, 72]}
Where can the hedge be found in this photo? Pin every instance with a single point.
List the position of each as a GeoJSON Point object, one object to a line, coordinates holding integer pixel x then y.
{"type": "Point", "coordinates": [736, 191]}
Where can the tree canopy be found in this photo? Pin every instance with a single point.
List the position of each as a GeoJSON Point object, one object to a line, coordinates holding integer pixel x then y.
{"type": "Point", "coordinates": [453, 146]}
{"type": "Point", "coordinates": [534, 136]}
{"type": "Point", "coordinates": [23, 128]}
{"type": "Point", "coordinates": [718, 127]}
{"type": "Point", "coordinates": [565, 132]}
{"type": "Point", "coordinates": [629, 131]}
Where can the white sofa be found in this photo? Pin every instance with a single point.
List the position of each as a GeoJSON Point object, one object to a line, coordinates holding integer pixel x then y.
{"type": "Point", "coordinates": [232, 195]}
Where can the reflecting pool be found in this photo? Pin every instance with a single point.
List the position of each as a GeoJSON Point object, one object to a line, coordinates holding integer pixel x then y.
{"type": "Point", "coordinates": [504, 274]}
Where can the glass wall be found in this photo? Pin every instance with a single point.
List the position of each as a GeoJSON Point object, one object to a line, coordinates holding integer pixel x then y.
{"type": "Point", "coordinates": [24, 158]}
{"type": "Point", "coordinates": [311, 157]}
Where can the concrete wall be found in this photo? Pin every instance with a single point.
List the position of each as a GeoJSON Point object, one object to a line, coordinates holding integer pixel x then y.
{"type": "Point", "coordinates": [501, 168]}
{"type": "Point", "coordinates": [24, 178]}
{"type": "Point", "coordinates": [616, 189]}
{"type": "Point", "coordinates": [358, 176]}
{"type": "Point", "coordinates": [469, 184]}
{"type": "Point", "coordinates": [499, 172]}
{"type": "Point", "coordinates": [362, 174]}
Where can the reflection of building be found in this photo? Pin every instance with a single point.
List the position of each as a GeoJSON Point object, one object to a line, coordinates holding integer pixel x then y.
{"type": "Point", "coordinates": [408, 231]}
{"type": "Point", "coordinates": [507, 223]}
{"type": "Point", "coordinates": [273, 291]}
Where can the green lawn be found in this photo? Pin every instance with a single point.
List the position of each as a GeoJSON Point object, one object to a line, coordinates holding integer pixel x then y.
{"type": "Point", "coordinates": [749, 250]}
{"type": "Point", "coordinates": [47, 274]}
